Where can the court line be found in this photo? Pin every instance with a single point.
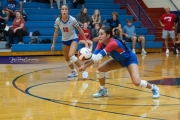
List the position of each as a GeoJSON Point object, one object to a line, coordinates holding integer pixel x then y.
{"type": "Point", "coordinates": [27, 91]}
{"type": "Point", "coordinates": [60, 102]}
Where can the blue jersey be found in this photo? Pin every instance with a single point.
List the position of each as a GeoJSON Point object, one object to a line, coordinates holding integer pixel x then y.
{"type": "Point", "coordinates": [113, 23]}
{"type": "Point", "coordinates": [130, 30]}
{"type": "Point", "coordinates": [11, 6]}
{"type": "Point", "coordinates": [115, 49]}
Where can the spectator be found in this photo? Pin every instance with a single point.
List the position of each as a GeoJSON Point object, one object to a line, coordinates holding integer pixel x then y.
{"type": "Point", "coordinates": [3, 19]}
{"type": "Point", "coordinates": [177, 25]}
{"type": "Point", "coordinates": [10, 7]}
{"type": "Point", "coordinates": [83, 17]}
{"type": "Point", "coordinates": [167, 22]}
{"type": "Point", "coordinates": [88, 43]}
{"type": "Point", "coordinates": [95, 33]}
{"type": "Point", "coordinates": [75, 2]}
{"type": "Point", "coordinates": [58, 3]}
{"type": "Point", "coordinates": [115, 24]}
{"type": "Point", "coordinates": [129, 33]}
{"type": "Point", "coordinates": [96, 17]}
{"type": "Point", "coordinates": [18, 29]}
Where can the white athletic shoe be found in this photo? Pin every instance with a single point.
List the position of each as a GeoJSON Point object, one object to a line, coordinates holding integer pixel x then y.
{"type": "Point", "coordinates": [72, 74]}
{"type": "Point", "coordinates": [84, 75]}
{"type": "Point", "coordinates": [101, 93]}
{"type": "Point", "coordinates": [133, 50]}
{"type": "Point", "coordinates": [167, 51]}
{"type": "Point", "coordinates": [143, 52]}
{"type": "Point", "coordinates": [155, 92]}
{"type": "Point", "coordinates": [177, 51]}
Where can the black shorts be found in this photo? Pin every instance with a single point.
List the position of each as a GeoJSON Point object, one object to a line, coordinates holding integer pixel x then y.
{"type": "Point", "coordinates": [178, 29]}
{"type": "Point", "coordinates": [130, 39]}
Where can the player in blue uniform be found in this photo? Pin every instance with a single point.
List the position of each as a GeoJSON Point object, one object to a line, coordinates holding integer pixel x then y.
{"type": "Point", "coordinates": [122, 56]}
{"type": "Point", "coordinates": [67, 25]}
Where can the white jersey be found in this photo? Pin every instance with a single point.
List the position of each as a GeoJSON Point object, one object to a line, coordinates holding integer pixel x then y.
{"type": "Point", "coordinates": [67, 28]}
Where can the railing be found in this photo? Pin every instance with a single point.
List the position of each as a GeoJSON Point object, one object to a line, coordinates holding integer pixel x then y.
{"type": "Point", "coordinates": [139, 14]}
{"type": "Point", "coordinates": [175, 6]}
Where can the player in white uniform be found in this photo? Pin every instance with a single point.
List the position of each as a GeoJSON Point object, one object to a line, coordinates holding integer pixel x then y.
{"type": "Point", "coordinates": [67, 25]}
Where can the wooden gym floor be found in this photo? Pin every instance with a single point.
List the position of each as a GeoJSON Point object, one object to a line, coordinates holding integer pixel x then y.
{"type": "Point", "coordinates": [43, 92]}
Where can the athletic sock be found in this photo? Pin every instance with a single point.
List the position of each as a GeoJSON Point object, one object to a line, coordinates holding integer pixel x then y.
{"type": "Point", "coordinates": [102, 87]}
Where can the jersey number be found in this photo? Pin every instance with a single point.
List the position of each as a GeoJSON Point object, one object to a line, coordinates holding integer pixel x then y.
{"type": "Point", "coordinates": [65, 29]}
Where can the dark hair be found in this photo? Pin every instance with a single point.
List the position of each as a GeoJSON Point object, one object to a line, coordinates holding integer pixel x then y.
{"type": "Point", "coordinates": [61, 8]}
{"type": "Point", "coordinates": [107, 30]}
{"type": "Point", "coordinates": [81, 12]}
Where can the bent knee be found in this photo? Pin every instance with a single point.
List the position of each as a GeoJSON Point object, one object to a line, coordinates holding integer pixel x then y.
{"type": "Point", "coordinates": [136, 82]}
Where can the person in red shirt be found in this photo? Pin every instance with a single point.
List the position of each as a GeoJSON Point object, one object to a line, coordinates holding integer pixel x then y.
{"type": "Point", "coordinates": [167, 22]}
{"type": "Point", "coordinates": [17, 28]}
{"type": "Point", "coordinates": [88, 43]}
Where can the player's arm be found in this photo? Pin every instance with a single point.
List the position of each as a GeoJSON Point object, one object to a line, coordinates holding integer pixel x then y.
{"type": "Point", "coordinates": [54, 39]}
{"type": "Point", "coordinates": [81, 32]}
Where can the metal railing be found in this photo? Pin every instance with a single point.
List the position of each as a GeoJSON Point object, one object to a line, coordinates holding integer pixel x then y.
{"type": "Point", "coordinates": [139, 14]}
{"type": "Point", "coordinates": [175, 6]}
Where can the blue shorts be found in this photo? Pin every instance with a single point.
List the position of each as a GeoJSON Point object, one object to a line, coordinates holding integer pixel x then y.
{"type": "Point", "coordinates": [68, 43]}
{"type": "Point", "coordinates": [131, 60]}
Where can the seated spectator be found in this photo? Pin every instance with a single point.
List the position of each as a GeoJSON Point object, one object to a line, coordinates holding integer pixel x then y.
{"type": "Point", "coordinates": [58, 3]}
{"type": "Point", "coordinates": [96, 18]}
{"type": "Point", "coordinates": [83, 17]}
{"type": "Point", "coordinates": [95, 33]}
{"type": "Point", "coordinates": [10, 7]}
{"type": "Point", "coordinates": [3, 19]}
{"type": "Point", "coordinates": [129, 33]}
{"type": "Point", "coordinates": [18, 29]}
{"type": "Point", "coordinates": [115, 24]}
{"type": "Point", "coordinates": [75, 2]}
{"type": "Point", "coordinates": [88, 43]}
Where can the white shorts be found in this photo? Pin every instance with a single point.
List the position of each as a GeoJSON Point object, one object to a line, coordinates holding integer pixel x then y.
{"type": "Point", "coordinates": [165, 34]}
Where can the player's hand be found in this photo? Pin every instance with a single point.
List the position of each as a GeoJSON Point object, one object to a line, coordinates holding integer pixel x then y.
{"type": "Point", "coordinates": [162, 25]}
{"type": "Point", "coordinates": [173, 28]}
{"type": "Point", "coordinates": [52, 47]}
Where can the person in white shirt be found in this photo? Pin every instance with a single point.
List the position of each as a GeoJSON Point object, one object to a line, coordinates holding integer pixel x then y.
{"type": "Point", "coordinates": [67, 25]}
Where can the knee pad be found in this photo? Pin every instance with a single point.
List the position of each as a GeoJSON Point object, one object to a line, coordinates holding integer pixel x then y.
{"type": "Point", "coordinates": [73, 59]}
{"type": "Point", "coordinates": [143, 83]}
{"type": "Point", "coordinates": [100, 74]}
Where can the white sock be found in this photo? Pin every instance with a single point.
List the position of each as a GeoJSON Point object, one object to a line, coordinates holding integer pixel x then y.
{"type": "Point", "coordinates": [102, 87]}
{"type": "Point", "coordinates": [152, 86]}
{"type": "Point", "coordinates": [74, 70]}
{"type": "Point", "coordinates": [142, 49]}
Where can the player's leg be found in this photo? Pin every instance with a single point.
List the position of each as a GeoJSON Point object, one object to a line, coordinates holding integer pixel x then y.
{"type": "Point", "coordinates": [134, 73]}
{"type": "Point", "coordinates": [65, 49]}
{"type": "Point", "coordinates": [142, 40]}
{"type": "Point", "coordinates": [133, 39]}
{"type": "Point", "coordinates": [102, 69]}
{"type": "Point", "coordinates": [74, 59]}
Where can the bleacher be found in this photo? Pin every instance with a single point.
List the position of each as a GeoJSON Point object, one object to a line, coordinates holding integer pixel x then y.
{"type": "Point", "coordinates": [40, 17]}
